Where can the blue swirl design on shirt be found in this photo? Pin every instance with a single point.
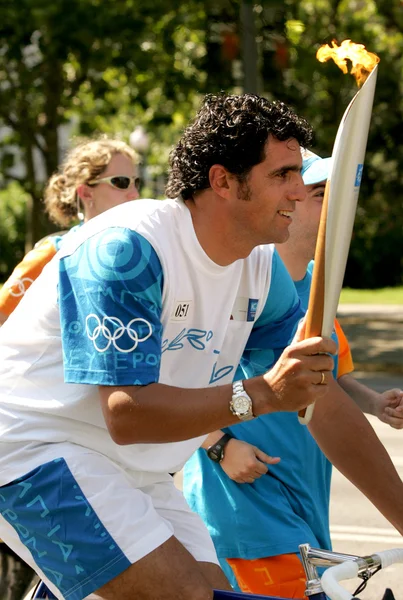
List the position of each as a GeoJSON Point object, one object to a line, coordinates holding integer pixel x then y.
{"type": "Point", "coordinates": [114, 257]}
{"type": "Point", "coordinates": [110, 296]}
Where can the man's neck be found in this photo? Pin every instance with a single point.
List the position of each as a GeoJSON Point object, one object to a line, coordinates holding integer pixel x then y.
{"type": "Point", "coordinates": [214, 233]}
{"type": "Point", "coordinates": [295, 261]}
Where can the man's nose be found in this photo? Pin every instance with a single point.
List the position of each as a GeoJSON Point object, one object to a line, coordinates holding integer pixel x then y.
{"type": "Point", "coordinates": [298, 191]}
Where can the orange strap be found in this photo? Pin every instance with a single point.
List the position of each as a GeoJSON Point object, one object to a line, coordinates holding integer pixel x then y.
{"type": "Point", "coordinates": [23, 276]}
{"type": "Point", "coordinates": [271, 576]}
{"type": "Point", "coordinates": [345, 364]}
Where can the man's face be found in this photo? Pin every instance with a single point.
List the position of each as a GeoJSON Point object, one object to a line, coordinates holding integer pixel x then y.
{"type": "Point", "coordinates": [266, 201]}
{"type": "Point", "coordinates": [305, 225]}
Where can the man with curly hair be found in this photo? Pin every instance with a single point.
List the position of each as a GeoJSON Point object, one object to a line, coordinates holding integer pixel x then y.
{"type": "Point", "coordinates": [111, 379]}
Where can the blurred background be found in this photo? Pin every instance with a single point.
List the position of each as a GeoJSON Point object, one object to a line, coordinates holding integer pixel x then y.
{"type": "Point", "coordinates": [138, 70]}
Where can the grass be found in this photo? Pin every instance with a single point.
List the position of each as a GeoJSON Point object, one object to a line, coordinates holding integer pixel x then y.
{"type": "Point", "coordinates": [382, 296]}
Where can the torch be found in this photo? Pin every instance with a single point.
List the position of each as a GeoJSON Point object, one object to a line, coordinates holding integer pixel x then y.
{"type": "Point", "coordinates": [341, 192]}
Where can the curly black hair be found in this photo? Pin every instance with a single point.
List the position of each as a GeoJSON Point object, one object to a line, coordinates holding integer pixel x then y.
{"type": "Point", "coordinates": [231, 131]}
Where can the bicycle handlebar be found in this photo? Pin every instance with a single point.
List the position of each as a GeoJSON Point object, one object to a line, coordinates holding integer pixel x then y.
{"type": "Point", "coordinates": [332, 576]}
{"type": "Point", "coordinates": [351, 568]}
{"type": "Point", "coordinates": [390, 557]}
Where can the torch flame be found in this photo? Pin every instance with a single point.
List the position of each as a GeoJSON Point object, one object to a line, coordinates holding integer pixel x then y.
{"type": "Point", "coordinates": [363, 62]}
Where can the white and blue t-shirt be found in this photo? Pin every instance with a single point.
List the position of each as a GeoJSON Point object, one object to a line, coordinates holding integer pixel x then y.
{"type": "Point", "coordinates": [131, 299]}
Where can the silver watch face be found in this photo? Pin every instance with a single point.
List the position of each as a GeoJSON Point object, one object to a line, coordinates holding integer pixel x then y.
{"type": "Point", "coordinates": [242, 405]}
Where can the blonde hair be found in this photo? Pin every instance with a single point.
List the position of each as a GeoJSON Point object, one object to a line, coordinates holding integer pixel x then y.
{"type": "Point", "coordinates": [84, 162]}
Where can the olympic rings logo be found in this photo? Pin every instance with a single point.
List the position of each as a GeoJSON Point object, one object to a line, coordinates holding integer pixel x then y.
{"type": "Point", "coordinates": [18, 287]}
{"type": "Point", "coordinates": [94, 330]}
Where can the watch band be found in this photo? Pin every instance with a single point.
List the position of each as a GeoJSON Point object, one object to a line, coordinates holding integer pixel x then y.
{"type": "Point", "coordinates": [237, 388]}
{"type": "Point", "coordinates": [216, 451]}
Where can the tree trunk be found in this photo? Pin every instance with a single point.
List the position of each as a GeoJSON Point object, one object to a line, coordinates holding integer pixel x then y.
{"type": "Point", "coordinates": [249, 49]}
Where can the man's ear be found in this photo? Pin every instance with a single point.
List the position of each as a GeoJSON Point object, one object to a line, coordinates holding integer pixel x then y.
{"type": "Point", "coordinates": [84, 192]}
{"type": "Point", "coordinates": [220, 180]}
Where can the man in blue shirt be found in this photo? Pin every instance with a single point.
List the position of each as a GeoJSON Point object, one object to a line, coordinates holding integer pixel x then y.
{"type": "Point", "coordinates": [257, 516]}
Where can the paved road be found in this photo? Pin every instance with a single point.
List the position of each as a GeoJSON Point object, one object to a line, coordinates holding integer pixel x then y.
{"type": "Point", "coordinates": [376, 339]}
{"type": "Point", "coordinates": [375, 333]}
{"type": "Point", "coordinates": [356, 526]}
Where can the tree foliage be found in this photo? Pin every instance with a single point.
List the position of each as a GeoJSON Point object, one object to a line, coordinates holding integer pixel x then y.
{"type": "Point", "coordinates": [376, 255]}
{"type": "Point", "coordinates": [13, 201]}
{"type": "Point", "coordinates": [109, 65]}
{"type": "Point", "coordinates": [84, 61]}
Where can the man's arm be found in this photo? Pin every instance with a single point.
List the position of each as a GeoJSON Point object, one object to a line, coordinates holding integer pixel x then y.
{"type": "Point", "coordinates": [114, 278]}
{"type": "Point", "coordinates": [159, 413]}
{"type": "Point", "coordinates": [242, 462]}
{"type": "Point", "coordinates": [388, 406]}
{"type": "Point", "coordinates": [348, 440]}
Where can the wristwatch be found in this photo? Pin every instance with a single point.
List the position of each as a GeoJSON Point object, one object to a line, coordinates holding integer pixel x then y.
{"type": "Point", "coordinates": [241, 404]}
{"type": "Point", "coordinates": [216, 451]}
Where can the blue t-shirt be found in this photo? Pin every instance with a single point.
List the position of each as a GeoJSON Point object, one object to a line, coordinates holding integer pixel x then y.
{"type": "Point", "coordinates": [287, 506]}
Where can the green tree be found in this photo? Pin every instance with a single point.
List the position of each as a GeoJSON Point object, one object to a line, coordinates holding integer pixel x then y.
{"type": "Point", "coordinates": [291, 33]}
{"type": "Point", "coordinates": [12, 226]}
{"type": "Point", "coordinates": [109, 65]}
{"type": "Point", "coordinates": [86, 61]}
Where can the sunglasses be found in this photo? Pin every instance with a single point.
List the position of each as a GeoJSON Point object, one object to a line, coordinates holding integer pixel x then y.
{"type": "Point", "coordinates": [120, 182]}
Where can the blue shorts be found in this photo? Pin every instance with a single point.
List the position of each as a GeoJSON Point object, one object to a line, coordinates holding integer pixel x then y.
{"type": "Point", "coordinates": [80, 521]}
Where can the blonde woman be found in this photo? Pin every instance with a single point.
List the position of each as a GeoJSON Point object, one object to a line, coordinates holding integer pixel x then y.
{"type": "Point", "coordinates": [95, 175]}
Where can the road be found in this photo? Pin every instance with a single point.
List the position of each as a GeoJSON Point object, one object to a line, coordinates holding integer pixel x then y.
{"type": "Point", "coordinates": [356, 526]}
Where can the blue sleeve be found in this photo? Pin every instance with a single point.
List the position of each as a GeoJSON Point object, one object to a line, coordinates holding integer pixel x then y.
{"type": "Point", "coordinates": [275, 327]}
{"type": "Point", "coordinates": [110, 297]}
